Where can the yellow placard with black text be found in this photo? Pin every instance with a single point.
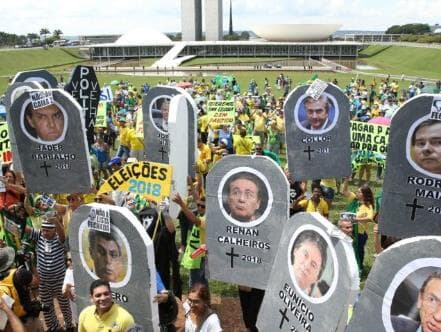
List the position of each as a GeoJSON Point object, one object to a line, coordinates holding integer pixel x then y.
{"type": "Point", "coordinates": [150, 180]}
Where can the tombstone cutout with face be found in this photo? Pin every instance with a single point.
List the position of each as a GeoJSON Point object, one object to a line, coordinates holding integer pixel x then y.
{"type": "Point", "coordinates": [156, 108]}
{"type": "Point", "coordinates": [51, 143]}
{"type": "Point", "coordinates": [42, 76]}
{"type": "Point", "coordinates": [179, 151]}
{"type": "Point", "coordinates": [247, 208]}
{"type": "Point", "coordinates": [14, 91]}
{"type": "Point", "coordinates": [412, 182]}
{"type": "Point", "coordinates": [84, 87]}
{"type": "Point", "coordinates": [403, 289]}
{"type": "Point", "coordinates": [313, 280]}
{"type": "Point", "coordinates": [317, 133]}
{"type": "Point", "coordinates": [124, 257]}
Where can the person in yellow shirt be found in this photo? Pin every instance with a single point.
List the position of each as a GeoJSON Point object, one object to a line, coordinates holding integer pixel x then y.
{"type": "Point", "coordinates": [314, 204]}
{"type": "Point", "coordinates": [204, 158]}
{"type": "Point", "coordinates": [259, 125]}
{"type": "Point", "coordinates": [242, 145]}
{"type": "Point", "coordinates": [103, 314]}
{"type": "Point", "coordinates": [136, 144]}
{"type": "Point", "coordinates": [124, 143]}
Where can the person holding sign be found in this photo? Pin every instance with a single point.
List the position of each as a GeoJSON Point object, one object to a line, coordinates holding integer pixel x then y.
{"type": "Point", "coordinates": [244, 197]}
{"type": "Point", "coordinates": [105, 251]}
{"type": "Point", "coordinates": [44, 123]}
{"type": "Point", "coordinates": [308, 261]}
{"type": "Point", "coordinates": [317, 112]}
{"type": "Point", "coordinates": [426, 146]}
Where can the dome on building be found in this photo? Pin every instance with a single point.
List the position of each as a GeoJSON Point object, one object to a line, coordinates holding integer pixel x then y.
{"type": "Point", "coordinates": [143, 36]}
{"type": "Point", "coordinates": [295, 32]}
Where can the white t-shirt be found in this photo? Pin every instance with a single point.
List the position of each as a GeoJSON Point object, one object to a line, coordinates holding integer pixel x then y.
{"type": "Point", "coordinates": [69, 279]}
{"type": "Point", "coordinates": [211, 324]}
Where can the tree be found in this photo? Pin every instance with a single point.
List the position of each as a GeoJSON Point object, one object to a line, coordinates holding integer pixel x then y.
{"type": "Point", "coordinates": [244, 35]}
{"type": "Point", "coordinates": [44, 32]}
{"type": "Point", "coordinates": [410, 29]}
{"type": "Point", "coordinates": [57, 34]}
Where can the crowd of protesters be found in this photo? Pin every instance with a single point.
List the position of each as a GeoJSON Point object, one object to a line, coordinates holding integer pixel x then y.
{"type": "Point", "coordinates": [35, 226]}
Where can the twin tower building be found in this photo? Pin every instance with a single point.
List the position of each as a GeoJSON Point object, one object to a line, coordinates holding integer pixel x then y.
{"type": "Point", "coordinates": [191, 17]}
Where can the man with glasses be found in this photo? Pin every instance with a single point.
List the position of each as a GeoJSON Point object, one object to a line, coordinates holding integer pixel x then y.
{"type": "Point", "coordinates": [317, 112]}
{"type": "Point", "coordinates": [429, 305]}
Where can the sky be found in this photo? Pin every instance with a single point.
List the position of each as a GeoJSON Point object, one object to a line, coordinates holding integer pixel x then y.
{"type": "Point", "coordinates": [78, 17]}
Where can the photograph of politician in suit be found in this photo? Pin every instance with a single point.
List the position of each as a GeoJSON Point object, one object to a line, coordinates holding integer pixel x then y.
{"type": "Point", "coordinates": [159, 113]}
{"type": "Point", "coordinates": [316, 116]}
{"type": "Point", "coordinates": [416, 304]}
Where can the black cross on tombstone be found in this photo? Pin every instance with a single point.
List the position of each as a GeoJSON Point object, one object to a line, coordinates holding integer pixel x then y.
{"type": "Point", "coordinates": [45, 166]}
{"type": "Point", "coordinates": [232, 255]}
{"type": "Point", "coordinates": [162, 152]}
{"type": "Point", "coordinates": [284, 317]}
{"type": "Point", "coordinates": [414, 206]}
{"type": "Point", "coordinates": [309, 150]}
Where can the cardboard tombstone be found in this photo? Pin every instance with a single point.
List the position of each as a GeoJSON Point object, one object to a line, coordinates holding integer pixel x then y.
{"type": "Point", "coordinates": [412, 183]}
{"type": "Point", "coordinates": [247, 208]}
{"type": "Point", "coordinates": [317, 133]}
{"type": "Point", "coordinates": [155, 108]}
{"type": "Point", "coordinates": [314, 278]}
{"type": "Point", "coordinates": [14, 91]}
{"type": "Point", "coordinates": [42, 76]}
{"type": "Point", "coordinates": [51, 143]}
{"type": "Point", "coordinates": [394, 298]}
{"type": "Point", "coordinates": [109, 242]}
{"type": "Point", "coordinates": [179, 151]}
{"type": "Point", "coordinates": [83, 85]}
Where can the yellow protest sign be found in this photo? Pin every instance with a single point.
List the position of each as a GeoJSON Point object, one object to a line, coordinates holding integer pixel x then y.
{"type": "Point", "coordinates": [150, 180]}
{"type": "Point", "coordinates": [369, 136]}
{"type": "Point", "coordinates": [5, 146]}
{"type": "Point", "coordinates": [221, 112]}
{"type": "Point", "coordinates": [101, 115]}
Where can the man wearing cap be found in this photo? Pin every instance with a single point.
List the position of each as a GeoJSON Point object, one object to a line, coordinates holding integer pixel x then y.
{"type": "Point", "coordinates": [51, 268]}
{"type": "Point", "coordinates": [14, 283]}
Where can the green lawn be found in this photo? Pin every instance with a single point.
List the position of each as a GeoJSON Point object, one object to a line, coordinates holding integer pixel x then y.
{"type": "Point", "coordinates": [27, 59]}
{"type": "Point", "coordinates": [413, 61]}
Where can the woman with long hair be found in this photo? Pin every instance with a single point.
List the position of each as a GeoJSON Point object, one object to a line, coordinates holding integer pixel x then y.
{"type": "Point", "coordinates": [199, 316]}
{"type": "Point", "coordinates": [362, 203]}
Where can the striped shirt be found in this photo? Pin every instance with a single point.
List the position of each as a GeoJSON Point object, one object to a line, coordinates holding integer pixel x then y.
{"type": "Point", "coordinates": [50, 255]}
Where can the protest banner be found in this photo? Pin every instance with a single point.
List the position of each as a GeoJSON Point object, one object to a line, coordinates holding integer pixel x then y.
{"type": "Point", "coordinates": [412, 182]}
{"type": "Point", "coordinates": [106, 94]}
{"type": "Point", "coordinates": [51, 142]}
{"type": "Point", "coordinates": [242, 241]}
{"type": "Point", "coordinates": [101, 115]}
{"type": "Point", "coordinates": [148, 179]}
{"type": "Point", "coordinates": [221, 112]}
{"type": "Point", "coordinates": [314, 279]}
{"type": "Point", "coordinates": [42, 76]}
{"type": "Point", "coordinates": [398, 288]}
{"type": "Point", "coordinates": [95, 228]}
{"type": "Point", "coordinates": [5, 146]}
{"type": "Point", "coordinates": [84, 87]}
{"type": "Point", "coordinates": [317, 133]}
{"type": "Point", "coordinates": [369, 136]}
